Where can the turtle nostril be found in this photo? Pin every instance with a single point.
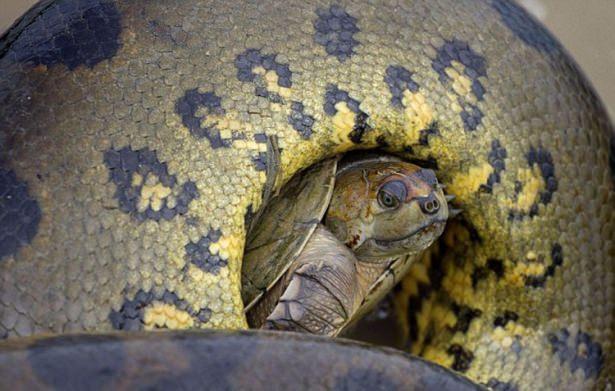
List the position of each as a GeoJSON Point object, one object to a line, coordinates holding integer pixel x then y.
{"type": "Point", "coordinates": [429, 204]}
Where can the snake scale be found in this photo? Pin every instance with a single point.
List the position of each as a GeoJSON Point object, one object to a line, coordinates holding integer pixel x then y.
{"type": "Point", "coordinates": [135, 148]}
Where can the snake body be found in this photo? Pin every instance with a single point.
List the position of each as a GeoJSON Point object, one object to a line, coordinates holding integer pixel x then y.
{"type": "Point", "coordinates": [134, 152]}
{"type": "Point", "coordinates": [215, 360]}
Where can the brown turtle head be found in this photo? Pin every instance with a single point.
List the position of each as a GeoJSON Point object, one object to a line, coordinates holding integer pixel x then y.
{"type": "Point", "coordinates": [384, 209]}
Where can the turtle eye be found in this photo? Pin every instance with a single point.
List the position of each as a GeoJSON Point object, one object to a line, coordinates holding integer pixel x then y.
{"type": "Point", "coordinates": [392, 194]}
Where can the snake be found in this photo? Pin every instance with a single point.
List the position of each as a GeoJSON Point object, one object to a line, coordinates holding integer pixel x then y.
{"type": "Point", "coordinates": [215, 359]}
{"type": "Point", "coordinates": [134, 151]}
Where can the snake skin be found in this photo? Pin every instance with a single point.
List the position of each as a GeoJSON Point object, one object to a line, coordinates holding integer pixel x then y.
{"type": "Point", "coordinates": [135, 148]}
{"type": "Point", "coordinates": [215, 360]}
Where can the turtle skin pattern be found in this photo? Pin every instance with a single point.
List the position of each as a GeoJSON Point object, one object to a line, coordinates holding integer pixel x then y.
{"type": "Point", "coordinates": [137, 141]}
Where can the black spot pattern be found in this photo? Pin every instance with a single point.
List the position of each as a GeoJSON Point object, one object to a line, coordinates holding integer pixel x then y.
{"type": "Point", "coordinates": [425, 134]}
{"type": "Point", "coordinates": [187, 107]}
{"type": "Point", "coordinates": [424, 291]}
{"type": "Point", "coordinates": [460, 51]}
{"type": "Point", "coordinates": [525, 27]}
{"type": "Point", "coordinates": [359, 128]}
{"type": "Point", "coordinates": [252, 58]}
{"type": "Point", "coordinates": [260, 160]}
{"type": "Point", "coordinates": [496, 160]}
{"type": "Point", "coordinates": [502, 320]}
{"type": "Point", "coordinates": [409, 150]}
{"type": "Point", "coordinates": [399, 79]}
{"type": "Point", "coordinates": [479, 274]}
{"type": "Point", "coordinates": [544, 160]}
{"type": "Point", "coordinates": [53, 361]}
{"type": "Point", "coordinates": [462, 357]}
{"type": "Point", "coordinates": [73, 33]}
{"type": "Point", "coordinates": [475, 66]}
{"type": "Point", "coordinates": [335, 30]}
{"type": "Point", "coordinates": [199, 255]}
{"type": "Point", "coordinates": [472, 231]}
{"type": "Point", "coordinates": [382, 142]}
{"type": "Point", "coordinates": [260, 137]}
{"type": "Point", "coordinates": [20, 214]}
{"type": "Point", "coordinates": [464, 315]}
{"type": "Point", "coordinates": [333, 96]}
{"type": "Point", "coordinates": [497, 385]}
{"type": "Point", "coordinates": [580, 352]}
{"type": "Point", "coordinates": [130, 316]}
{"type": "Point", "coordinates": [471, 116]}
{"type": "Point", "coordinates": [300, 121]}
{"type": "Point", "coordinates": [203, 365]}
{"type": "Point", "coordinates": [557, 258]}
{"type": "Point", "coordinates": [124, 164]}
{"type": "Point", "coordinates": [496, 266]}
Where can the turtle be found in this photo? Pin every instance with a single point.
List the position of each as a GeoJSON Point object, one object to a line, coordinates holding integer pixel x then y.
{"type": "Point", "coordinates": [337, 237]}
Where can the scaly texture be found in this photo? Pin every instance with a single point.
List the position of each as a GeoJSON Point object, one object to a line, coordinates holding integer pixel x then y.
{"type": "Point", "coordinates": [135, 146]}
{"type": "Point", "coordinates": [217, 360]}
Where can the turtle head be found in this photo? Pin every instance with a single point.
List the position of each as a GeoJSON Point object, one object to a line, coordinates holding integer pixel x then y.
{"type": "Point", "coordinates": [384, 209]}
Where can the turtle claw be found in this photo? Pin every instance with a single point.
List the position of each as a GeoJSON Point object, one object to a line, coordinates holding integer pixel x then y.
{"type": "Point", "coordinates": [449, 197]}
{"type": "Point", "coordinates": [452, 213]}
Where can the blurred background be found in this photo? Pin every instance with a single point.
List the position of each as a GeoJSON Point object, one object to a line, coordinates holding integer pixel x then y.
{"type": "Point", "coordinates": [586, 28]}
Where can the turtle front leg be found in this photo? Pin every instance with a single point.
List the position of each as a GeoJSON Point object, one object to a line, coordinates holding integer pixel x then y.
{"type": "Point", "coordinates": [322, 289]}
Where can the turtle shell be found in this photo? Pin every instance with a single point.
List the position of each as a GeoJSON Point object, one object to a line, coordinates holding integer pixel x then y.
{"type": "Point", "coordinates": [284, 227]}
{"type": "Point", "coordinates": [361, 157]}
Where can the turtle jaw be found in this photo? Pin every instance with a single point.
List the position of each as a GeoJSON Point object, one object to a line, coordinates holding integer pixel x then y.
{"type": "Point", "coordinates": [417, 240]}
